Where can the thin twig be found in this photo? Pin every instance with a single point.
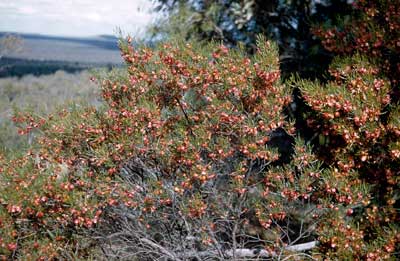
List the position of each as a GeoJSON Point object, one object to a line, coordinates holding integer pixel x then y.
{"type": "Point", "coordinates": [186, 116]}
{"type": "Point", "coordinates": [162, 249]}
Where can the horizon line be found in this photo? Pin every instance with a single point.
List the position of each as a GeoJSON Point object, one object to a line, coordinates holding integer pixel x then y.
{"type": "Point", "coordinates": [58, 35]}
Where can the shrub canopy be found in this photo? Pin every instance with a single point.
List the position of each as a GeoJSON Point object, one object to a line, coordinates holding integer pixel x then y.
{"type": "Point", "coordinates": [193, 154]}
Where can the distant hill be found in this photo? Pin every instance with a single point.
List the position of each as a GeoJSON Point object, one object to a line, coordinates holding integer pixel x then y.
{"type": "Point", "coordinates": [43, 54]}
{"type": "Point", "coordinates": [20, 67]}
{"type": "Point", "coordinates": [101, 49]}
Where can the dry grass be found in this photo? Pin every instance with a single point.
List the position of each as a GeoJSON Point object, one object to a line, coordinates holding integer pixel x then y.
{"type": "Point", "coordinates": [43, 95]}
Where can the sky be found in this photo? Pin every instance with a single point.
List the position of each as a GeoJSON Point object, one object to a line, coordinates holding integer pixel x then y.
{"type": "Point", "coordinates": [75, 17]}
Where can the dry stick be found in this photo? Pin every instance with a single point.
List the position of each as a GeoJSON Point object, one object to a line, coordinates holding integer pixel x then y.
{"type": "Point", "coordinates": [162, 249]}
{"type": "Point", "coordinates": [302, 247]}
{"type": "Point", "coordinates": [235, 227]}
{"type": "Point", "coordinates": [186, 116]}
{"type": "Point", "coordinates": [251, 253]}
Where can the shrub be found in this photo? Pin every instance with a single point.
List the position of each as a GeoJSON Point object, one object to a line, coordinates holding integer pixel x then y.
{"type": "Point", "coordinates": [364, 136]}
{"type": "Point", "coordinates": [193, 157]}
{"type": "Point", "coordinates": [362, 148]}
{"type": "Point", "coordinates": [372, 30]}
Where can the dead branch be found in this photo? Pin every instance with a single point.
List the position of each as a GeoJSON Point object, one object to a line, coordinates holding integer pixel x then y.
{"type": "Point", "coordinates": [160, 248]}
{"type": "Point", "coordinates": [250, 253]}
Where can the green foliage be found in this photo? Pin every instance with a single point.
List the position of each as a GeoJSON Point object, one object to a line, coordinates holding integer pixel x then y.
{"type": "Point", "coordinates": [185, 22]}
{"type": "Point", "coordinates": [187, 151]}
{"type": "Point", "coordinates": [373, 30]}
{"type": "Point", "coordinates": [193, 156]}
{"type": "Point", "coordinates": [288, 23]}
{"type": "Point", "coordinates": [361, 144]}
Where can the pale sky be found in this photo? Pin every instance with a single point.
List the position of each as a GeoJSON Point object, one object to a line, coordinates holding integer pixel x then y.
{"type": "Point", "coordinates": [75, 17]}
